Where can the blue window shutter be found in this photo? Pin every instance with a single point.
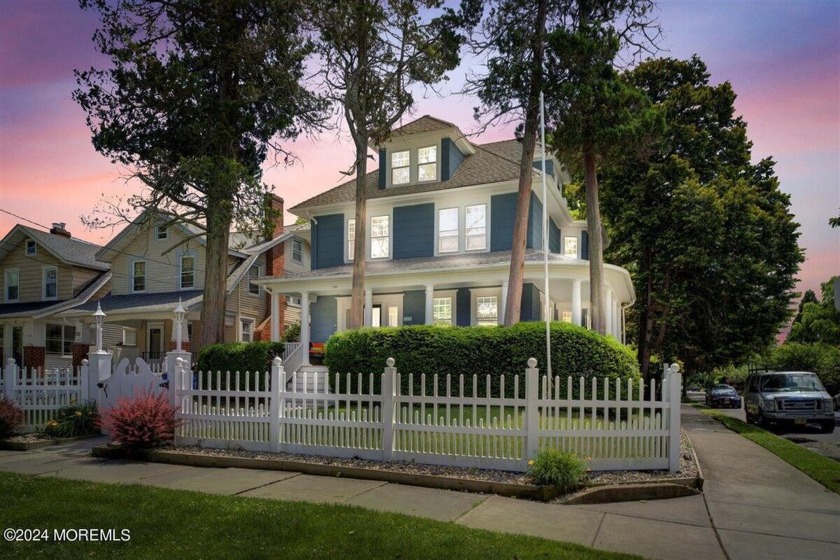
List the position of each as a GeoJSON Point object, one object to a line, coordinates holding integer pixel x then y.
{"type": "Point", "coordinates": [584, 242]}
{"type": "Point", "coordinates": [414, 231]}
{"type": "Point", "coordinates": [383, 167]}
{"type": "Point", "coordinates": [502, 214]}
{"type": "Point", "coordinates": [444, 159]}
{"type": "Point", "coordinates": [328, 238]}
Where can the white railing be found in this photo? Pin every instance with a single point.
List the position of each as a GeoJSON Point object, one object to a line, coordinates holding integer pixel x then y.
{"type": "Point", "coordinates": [480, 421]}
{"type": "Point", "coordinates": [293, 358]}
{"type": "Point", "coordinates": [41, 393]}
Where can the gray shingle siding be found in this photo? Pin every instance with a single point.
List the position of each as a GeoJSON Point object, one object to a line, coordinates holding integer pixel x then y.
{"type": "Point", "coordinates": [323, 318]}
{"type": "Point", "coordinates": [327, 241]}
{"type": "Point", "coordinates": [414, 306]}
{"type": "Point", "coordinates": [414, 231]}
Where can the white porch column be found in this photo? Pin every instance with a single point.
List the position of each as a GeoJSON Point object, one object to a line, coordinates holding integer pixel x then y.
{"type": "Point", "coordinates": [304, 326]}
{"type": "Point", "coordinates": [576, 310]}
{"type": "Point", "coordinates": [608, 305]}
{"type": "Point", "coordinates": [430, 304]}
{"type": "Point", "coordinates": [275, 317]}
{"type": "Point", "coordinates": [368, 307]}
{"type": "Point", "coordinates": [503, 308]}
{"type": "Point", "coordinates": [617, 318]}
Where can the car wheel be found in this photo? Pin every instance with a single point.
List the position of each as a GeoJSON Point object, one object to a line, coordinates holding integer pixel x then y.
{"type": "Point", "coordinates": [760, 421]}
{"type": "Point", "coordinates": [827, 427]}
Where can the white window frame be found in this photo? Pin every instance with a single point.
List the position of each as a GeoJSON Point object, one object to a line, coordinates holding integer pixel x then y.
{"type": "Point", "coordinates": [386, 237]}
{"type": "Point", "coordinates": [294, 301]}
{"type": "Point", "coordinates": [394, 168]}
{"type": "Point", "coordinates": [452, 316]}
{"type": "Point", "coordinates": [449, 232]}
{"type": "Point", "coordinates": [129, 336]}
{"type": "Point", "coordinates": [429, 162]}
{"type": "Point", "coordinates": [482, 293]}
{"type": "Point", "coordinates": [393, 316]}
{"type": "Point", "coordinates": [297, 247]}
{"type": "Point", "coordinates": [7, 284]}
{"type": "Point", "coordinates": [65, 338]}
{"type": "Point", "coordinates": [31, 243]}
{"type": "Point", "coordinates": [251, 284]}
{"type": "Point", "coordinates": [181, 273]}
{"type": "Point", "coordinates": [351, 238]}
{"type": "Point", "coordinates": [44, 274]}
{"type": "Point", "coordinates": [566, 244]}
{"type": "Point", "coordinates": [133, 276]}
{"type": "Point", "coordinates": [482, 236]}
{"type": "Point", "coordinates": [161, 232]}
{"type": "Point", "coordinates": [250, 324]}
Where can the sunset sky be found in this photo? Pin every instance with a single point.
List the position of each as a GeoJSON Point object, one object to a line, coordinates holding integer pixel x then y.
{"type": "Point", "coordinates": [782, 58]}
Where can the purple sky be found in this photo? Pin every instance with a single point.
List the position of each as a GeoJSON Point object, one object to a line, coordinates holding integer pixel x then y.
{"type": "Point", "coordinates": [782, 58]}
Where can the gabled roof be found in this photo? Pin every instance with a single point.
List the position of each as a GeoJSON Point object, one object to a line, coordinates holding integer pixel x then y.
{"type": "Point", "coordinates": [41, 309]}
{"type": "Point", "coordinates": [426, 123]}
{"type": "Point", "coordinates": [165, 301]}
{"type": "Point", "coordinates": [255, 251]}
{"type": "Point", "coordinates": [492, 163]}
{"type": "Point", "coordinates": [68, 250]}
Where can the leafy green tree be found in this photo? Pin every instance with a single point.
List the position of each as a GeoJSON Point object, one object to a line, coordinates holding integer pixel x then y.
{"type": "Point", "coordinates": [372, 52]}
{"type": "Point", "coordinates": [817, 321]}
{"type": "Point", "coordinates": [707, 236]}
{"type": "Point", "coordinates": [834, 222]}
{"type": "Point", "coordinates": [562, 48]}
{"type": "Point", "coordinates": [195, 98]}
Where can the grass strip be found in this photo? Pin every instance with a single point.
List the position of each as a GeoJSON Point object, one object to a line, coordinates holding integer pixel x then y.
{"type": "Point", "coordinates": [184, 525]}
{"type": "Point", "coordinates": [822, 469]}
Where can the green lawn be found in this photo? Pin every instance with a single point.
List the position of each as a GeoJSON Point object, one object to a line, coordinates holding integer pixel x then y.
{"type": "Point", "coordinates": [822, 469]}
{"type": "Point", "coordinates": [184, 525]}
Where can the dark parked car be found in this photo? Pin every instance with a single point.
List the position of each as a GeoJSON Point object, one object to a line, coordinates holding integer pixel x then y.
{"type": "Point", "coordinates": [723, 396]}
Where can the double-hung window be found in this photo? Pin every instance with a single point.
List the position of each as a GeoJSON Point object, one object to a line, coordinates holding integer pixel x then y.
{"type": "Point", "coordinates": [31, 248]}
{"type": "Point", "coordinates": [161, 232]}
{"type": "Point", "coordinates": [187, 271]}
{"type": "Point", "coordinates": [60, 339]}
{"type": "Point", "coordinates": [351, 238]}
{"type": "Point", "coordinates": [12, 281]}
{"type": "Point", "coordinates": [476, 227]}
{"type": "Point", "coordinates": [138, 276]}
{"type": "Point", "coordinates": [297, 251]}
{"type": "Point", "coordinates": [380, 233]}
{"type": "Point", "coordinates": [253, 274]}
{"type": "Point", "coordinates": [442, 311]}
{"type": "Point", "coordinates": [448, 230]}
{"type": "Point", "coordinates": [487, 310]}
{"type": "Point", "coordinates": [427, 164]}
{"type": "Point", "coordinates": [246, 330]}
{"type": "Point", "coordinates": [50, 283]}
{"type": "Point", "coordinates": [401, 167]}
{"type": "Point", "coordinates": [570, 247]}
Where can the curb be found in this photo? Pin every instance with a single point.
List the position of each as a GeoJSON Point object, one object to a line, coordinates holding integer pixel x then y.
{"type": "Point", "coordinates": [673, 488]}
{"type": "Point", "coordinates": [7, 445]}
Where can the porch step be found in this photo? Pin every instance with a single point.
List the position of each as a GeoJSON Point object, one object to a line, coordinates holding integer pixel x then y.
{"type": "Point", "coordinates": [311, 379]}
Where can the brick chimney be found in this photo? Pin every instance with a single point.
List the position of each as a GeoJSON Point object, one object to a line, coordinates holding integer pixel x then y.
{"type": "Point", "coordinates": [58, 229]}
{"type": "Point", "coordinates": [275, 258]}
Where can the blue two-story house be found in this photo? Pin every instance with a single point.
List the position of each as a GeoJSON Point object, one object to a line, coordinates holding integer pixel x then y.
{"type": "Point", "coordinates": [441, 214]}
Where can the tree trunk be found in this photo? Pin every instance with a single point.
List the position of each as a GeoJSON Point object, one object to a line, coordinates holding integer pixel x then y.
{"type": "Point", "coordinates": [646, 316]}
{"type": "Point", "coordinates": [215, 276]}
{"type": "Point", "coordinates": [357, 299]}
{"type": "Point", "coordinates": [596, 243]}
{"type": "Point", "coordinates": [516, 276]}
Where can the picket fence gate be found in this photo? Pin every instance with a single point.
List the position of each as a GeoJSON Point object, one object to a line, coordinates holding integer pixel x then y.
{"type": "Point", "coordinates": [449, 421]}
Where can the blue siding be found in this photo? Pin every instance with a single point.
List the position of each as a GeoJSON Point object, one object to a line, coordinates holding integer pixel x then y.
{"type": "Point", "coordinates": [414, 306]}
{"type": "Point", "coordinates": [327, 241]}
{"type": "Point", "coordinates": [502, 214]}
{"type": "Point", "coordinates": [530, 309]}
{"type": "Point", "coordinates": [554, 237]}
{"type": "Point", "coordinates": [383, 170]}
{"type": "Point", "coordinates": [414, 231]}
{"type": "Point", "coordinates": [584, 245]}
{"type": "Point", "coordinates": [549, 167]}
{"type": "Point", "coordinates": [535, 218]}
{"type": "Point", "coordinates": [323, 318]}
{"type": "Point", "coordinates": [450, 158]}
{"type": "Point", "coordinates": [463, 310]}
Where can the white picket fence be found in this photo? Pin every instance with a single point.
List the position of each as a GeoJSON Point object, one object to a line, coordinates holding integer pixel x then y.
{"type": "Point", "coordinates": [41, 393]}
{"type": "Point", "coordinates": [612, 426]}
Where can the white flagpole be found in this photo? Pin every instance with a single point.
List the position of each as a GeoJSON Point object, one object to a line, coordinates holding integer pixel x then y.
{"type": "Point", "coordinates": [547, 306]}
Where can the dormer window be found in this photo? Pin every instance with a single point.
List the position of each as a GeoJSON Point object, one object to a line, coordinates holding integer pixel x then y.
{"type": "Point", "coordinates": [427, 164]}
{"type": "Point", "coordinates": [31, 248]}
{"type": "Point", "coordinates": [400, 168]}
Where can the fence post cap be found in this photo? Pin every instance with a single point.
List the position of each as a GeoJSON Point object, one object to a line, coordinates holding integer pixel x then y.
{"type": "Point", "coordinates": [85, 362]}
{"type": "Point", "coordinates": [390, 362]}
{"type": "Point", "coordinates": [532, 362]}
{"type": "Point", "coordinates": [277, 361]}
{"type": "Point", "coordinates": [10, 361]}
{"type": "Point", "coordinates": [675, 368]}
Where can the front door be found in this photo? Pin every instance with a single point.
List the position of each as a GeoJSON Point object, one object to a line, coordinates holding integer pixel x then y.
{"type": "Point", "coordinates": [154, 341]}
{"type": "Point", "coordinates": [376, 316]}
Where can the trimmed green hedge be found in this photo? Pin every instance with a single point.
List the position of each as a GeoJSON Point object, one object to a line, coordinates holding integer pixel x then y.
{"type": "Point", "coordinates": [239, 356]}
{"type": "Point", "coordinates": [477, 350]}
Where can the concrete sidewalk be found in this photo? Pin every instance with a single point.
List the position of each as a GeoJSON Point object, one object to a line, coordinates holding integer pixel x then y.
{"type": "Point", "coordinates": [755, 505]}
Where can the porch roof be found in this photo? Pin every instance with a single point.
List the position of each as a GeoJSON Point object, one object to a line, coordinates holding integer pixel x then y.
{"type": "Point", "coordinates": [139, 303]}
{"type": "Point", "coordinates": [24, 310]}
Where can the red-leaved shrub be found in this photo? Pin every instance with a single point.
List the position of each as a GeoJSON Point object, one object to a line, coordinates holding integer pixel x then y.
{"type": "Point", "coordinates": [142, 421]}
{"type": "Point", "coordinates": [11, 416]}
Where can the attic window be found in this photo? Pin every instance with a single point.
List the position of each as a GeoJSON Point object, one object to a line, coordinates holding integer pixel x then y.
{"type": "Point", "coordinates": [427, 164]}
{"type": "Point", "coordinates": [31, 248]}
{"type": "Point", "coordinates": [400, 168]}
{"type": "Point", "coordinates": [161, 232]}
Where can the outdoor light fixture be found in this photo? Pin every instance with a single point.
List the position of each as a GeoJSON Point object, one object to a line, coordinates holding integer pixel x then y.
{"type": "Point", "coordinates": [99, 317]}
{"type": "Point", "coordinates": [180, 314]}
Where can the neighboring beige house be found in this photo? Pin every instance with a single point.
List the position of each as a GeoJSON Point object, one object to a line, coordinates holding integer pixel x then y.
{"type": "Point", "coordinates": [45, 273]}
{"type": "Point", "coordinates": [156, 263]}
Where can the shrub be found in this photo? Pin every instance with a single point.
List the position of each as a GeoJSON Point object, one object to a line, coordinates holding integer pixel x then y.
{"type": "Point", "coordinates": [563, 470]}
{"type": "Point", "coordinates": [142, 421]}
{"type": "Point", "coordinates": [11, 416]}
{"type": "Point", "coordinates": [493, 351]}
{"type": "Point", "coordinates": [74, 421]}
{"type": "Point", "coordinates": [292, 333]}
{"type": "Point", "coordinates": [822, 359]}
{"type": "Point", "coordinates": [241, 357]}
